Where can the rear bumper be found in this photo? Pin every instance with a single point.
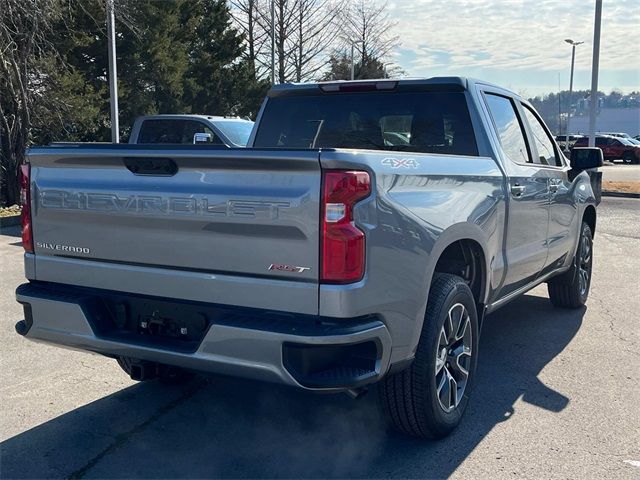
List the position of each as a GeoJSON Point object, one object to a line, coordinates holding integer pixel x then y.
{"type": "Point", "coordinates": [310, 352]}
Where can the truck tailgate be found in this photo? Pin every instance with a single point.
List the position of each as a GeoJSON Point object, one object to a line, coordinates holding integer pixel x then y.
{"type": "Point", "coordinates": [241, 213]}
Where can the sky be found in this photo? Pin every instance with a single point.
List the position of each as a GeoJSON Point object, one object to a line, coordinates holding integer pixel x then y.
{"type": "Point", "coordinates": [519, 44]}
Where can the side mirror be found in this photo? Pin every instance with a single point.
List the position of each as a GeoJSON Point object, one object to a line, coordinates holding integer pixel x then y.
{"type": "Point", "coordinates": [202, 138]}
{"type": "Point", "coordinates": [583, 158]}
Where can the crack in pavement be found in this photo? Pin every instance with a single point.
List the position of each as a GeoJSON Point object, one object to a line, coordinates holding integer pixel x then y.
{"type": "Point", "coordinates": [121, 438]}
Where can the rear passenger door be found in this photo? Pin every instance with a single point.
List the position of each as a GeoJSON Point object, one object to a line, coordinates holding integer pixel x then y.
{"type": "Point", "coordinates": [562, 212]}
{"type": "Point", "coordinates": [528, 203]}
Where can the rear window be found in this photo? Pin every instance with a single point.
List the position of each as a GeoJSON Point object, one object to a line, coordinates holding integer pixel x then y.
{"type": "Point", "coordinates": [429, 122]}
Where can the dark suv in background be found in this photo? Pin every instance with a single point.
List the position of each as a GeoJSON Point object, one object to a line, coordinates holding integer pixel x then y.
{"type": "Point", "coordinates": [614, 148]}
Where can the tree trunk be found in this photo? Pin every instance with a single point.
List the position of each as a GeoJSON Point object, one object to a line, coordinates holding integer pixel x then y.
{"type": "Point", "coordinates": [300, 44]}
{"type": "Point", "coordinates": [281, 42]}
{"type": "Point", "coordinates": [251, 39]}
{"type": "Point", "coordinates": [12, 187]}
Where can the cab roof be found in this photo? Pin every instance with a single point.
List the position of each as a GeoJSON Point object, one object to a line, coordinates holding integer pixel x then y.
{"type": "Point", "coordinates": [386, 84]}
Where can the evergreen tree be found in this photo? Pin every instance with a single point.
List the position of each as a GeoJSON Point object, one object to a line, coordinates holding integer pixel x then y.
{"type": "Point", "coordinates": [219, 79]}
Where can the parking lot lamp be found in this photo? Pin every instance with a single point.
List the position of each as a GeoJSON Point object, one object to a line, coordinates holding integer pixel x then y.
{"type": "Point", "coordinates": [595, 62]}
{"type": "Point", "coordinates": [113, 75]}
{"type": "Point", "coordinates": [353, 44]}
{"type": "Point", "coordinates": [573, 44]}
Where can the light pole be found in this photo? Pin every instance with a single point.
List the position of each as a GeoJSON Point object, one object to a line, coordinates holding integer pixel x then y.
{"type": "Point", "coordinates": [353, 44]}
{"type": "Point", "coordinates": [595, 62]}
{"type": "Point", "coordinates": [113, 75]}
{"type": "Point", "coordinates": [573, 60]}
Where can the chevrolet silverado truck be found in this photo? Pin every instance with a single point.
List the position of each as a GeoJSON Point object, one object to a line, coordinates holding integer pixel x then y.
{"type": "Point", "coordinates": [361, 238]}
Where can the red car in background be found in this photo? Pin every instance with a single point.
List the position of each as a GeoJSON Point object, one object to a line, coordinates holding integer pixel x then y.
{"type": "Point", "coordinates": [614, 148]}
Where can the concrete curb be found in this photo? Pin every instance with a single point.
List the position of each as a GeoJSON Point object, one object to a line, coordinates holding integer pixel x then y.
{"type": "Point", "coordinates": [10, 221]}
{"type": "Point", "coordinates": [621, 194]}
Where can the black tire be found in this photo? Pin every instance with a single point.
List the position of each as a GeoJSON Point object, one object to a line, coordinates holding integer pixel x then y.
{"type": "Point", "coordinates": [629, 158]}
{"type": "Point", "coordinates": [125, 364]}
{"type": "Point", "coordinates": [167, 374]}
{"type": "Point", "coordinates": [571, 289]}
{"type": "Point", "coordinates": [410, 398]}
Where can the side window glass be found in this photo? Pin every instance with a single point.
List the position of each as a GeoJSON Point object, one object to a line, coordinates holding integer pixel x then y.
{"type": "Point", "coordinates": [546, 151]}
{"type": "Point", "coordinates": [174, 131]}
{"type": "Point", "coordinates": [508, 128]}
{"type": "Point", "coordinates": [191, 127]}
{"type": "Point", "coordinates": [600, 142]}
{"type": "Point", "coordinates": [160, 131]}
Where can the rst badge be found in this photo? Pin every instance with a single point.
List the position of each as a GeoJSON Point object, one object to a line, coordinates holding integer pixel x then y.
{"type": "Point", "coordinates": [288, 268]}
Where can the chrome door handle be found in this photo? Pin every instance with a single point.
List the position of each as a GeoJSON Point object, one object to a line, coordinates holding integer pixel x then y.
{"type": "Point", "coordinates": [517, 190]}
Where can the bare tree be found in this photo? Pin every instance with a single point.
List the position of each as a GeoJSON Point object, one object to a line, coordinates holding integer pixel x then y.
{"type": "Point", "coordinates": [369, 26]}
{"type": "Point", "coordinates": [306, 32]}
{"type": "Point", "coordinates": [246, 14]}
{"type": "Point", "coordinates": [25, 59]}
{"type": "Point", "coordinates": [284, 20]}
{"type": "Point", "coordinates": [318, 23]}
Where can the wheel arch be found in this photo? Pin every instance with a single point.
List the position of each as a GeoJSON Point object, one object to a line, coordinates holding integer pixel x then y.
{"type": "Point", "coordinates": [458, 238]}
{"type": "Point", "coordinates": [465, 258]}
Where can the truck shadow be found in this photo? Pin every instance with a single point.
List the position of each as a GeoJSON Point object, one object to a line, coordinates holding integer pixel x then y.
{"type": "Point", "coordinates": [222, 427]}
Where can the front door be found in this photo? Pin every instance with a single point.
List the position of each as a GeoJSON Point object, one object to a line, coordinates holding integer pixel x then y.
{"type": "Point", "coordinates": [528, 192]}
{"type": "Point", "coordinates": [563, 222]}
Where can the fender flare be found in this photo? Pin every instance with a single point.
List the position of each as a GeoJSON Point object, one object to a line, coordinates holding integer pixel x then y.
{"type": "Point", "coordinates": [455, 233]}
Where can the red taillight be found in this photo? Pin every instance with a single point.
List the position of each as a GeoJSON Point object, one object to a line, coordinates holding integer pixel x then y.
{"type": "Point", "coordinates": [342, 255]}
{"type": "Point", "coordinates": [25, 200]}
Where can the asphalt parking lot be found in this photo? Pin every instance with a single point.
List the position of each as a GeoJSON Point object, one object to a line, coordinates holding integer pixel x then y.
{"type": "Point", "coordinates": [557, 397]}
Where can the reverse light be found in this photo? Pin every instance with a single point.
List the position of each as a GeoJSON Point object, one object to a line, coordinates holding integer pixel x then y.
{"type": "Point", "coordinates": [25, 200]}
{"type": "Point", "coordinates": [342, 243]}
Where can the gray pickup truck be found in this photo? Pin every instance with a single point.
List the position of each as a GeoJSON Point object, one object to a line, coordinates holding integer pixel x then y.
{"type": "Point", "coordinates": [361, 238]}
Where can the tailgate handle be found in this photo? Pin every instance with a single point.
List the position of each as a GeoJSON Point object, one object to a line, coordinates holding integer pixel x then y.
{"type": "Point", "coordinates": [158, 166]}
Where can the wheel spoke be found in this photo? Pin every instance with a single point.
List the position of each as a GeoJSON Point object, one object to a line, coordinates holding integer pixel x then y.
{"type": "Point", "coordinates": [439, 364]}
{"type": "Point", "coordinates": [453, 357]}
{"type": "Point", "coordinates": [460, 355]}
{"type": "Point", "coordinates": [444, 395]}
{"type": "Point", "coordinates": [453, 388]}
{"type": "Point", "coordinates": [587, 251]}
{"type": "Point", "coordinates": [442, 340]}
{"type": "Point", "coordinates": [466, 324]}
{"type": "Point", "coordinates": [456, 315]}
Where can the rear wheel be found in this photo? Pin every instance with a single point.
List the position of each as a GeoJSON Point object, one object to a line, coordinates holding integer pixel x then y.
{"type": "Point", "coordinates": [571, 289]}
{"type": "Point", "coordinates": [428, 399]}
{"type": "Point", "coordinates": [629, 157]}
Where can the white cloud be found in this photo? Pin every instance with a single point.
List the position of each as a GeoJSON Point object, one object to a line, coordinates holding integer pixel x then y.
{"type": "Point", "coordinates": [506, 36]}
